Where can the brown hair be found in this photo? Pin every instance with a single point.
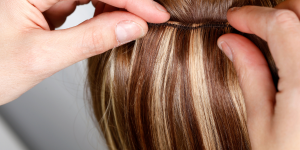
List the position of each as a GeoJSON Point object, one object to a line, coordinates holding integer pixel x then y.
{"type": "Point", "coordinates": [174, 88]}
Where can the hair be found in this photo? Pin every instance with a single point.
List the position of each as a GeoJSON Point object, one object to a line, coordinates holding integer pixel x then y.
{"type": "Point", "coordinates": [174, 88]}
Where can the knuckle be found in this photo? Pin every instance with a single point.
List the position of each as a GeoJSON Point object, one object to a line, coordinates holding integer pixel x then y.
{"type": "Point", "coordinates": [285, 18]}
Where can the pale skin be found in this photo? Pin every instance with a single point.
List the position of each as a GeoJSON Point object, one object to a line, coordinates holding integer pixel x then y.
{"type": "Point", "coordinates": [273, 117]}
{"type": "Point", "coordinates": [31, 51]}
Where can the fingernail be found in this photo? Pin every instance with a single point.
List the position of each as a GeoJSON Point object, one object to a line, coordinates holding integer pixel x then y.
{"type": "Point", "coordinates": [234, 8]}
{"type": "Point", "coordinates": [127, 31]}
{"type": "Point", "coordinates": [159, 7]}
{"type": "Point", "coordinates": [226, 49]}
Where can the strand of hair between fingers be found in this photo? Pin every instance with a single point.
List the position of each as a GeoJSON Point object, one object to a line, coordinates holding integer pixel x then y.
{"type": "Point", "coordinates": [193, 26]}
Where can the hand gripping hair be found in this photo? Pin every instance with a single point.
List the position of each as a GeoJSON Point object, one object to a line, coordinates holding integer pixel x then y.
{"type": "Point", "coordinates": [174, 88]}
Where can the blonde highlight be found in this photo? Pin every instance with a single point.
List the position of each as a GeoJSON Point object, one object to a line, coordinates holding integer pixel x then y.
{"type": "Point", "coordinates": [174, 88]}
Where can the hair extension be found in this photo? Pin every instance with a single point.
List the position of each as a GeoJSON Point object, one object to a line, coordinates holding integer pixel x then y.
{"type": "Point", "coordinates": [194, 26]}
{"type": "Point", "coordinates": [174, 88]}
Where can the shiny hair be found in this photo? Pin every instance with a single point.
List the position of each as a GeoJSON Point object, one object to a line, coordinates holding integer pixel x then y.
{"type": "Point", "coordinates": [174, 88]}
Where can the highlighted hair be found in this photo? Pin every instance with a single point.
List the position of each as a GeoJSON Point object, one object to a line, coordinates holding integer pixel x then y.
{"type": "Point", "coordinates": [174, 88]}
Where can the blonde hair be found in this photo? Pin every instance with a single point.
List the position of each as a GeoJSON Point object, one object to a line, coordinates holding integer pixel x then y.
{"type": "Point", "coordinates": [174, 88]}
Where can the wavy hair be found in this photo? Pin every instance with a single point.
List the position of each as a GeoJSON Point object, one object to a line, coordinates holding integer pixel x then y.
{"type": "Point", "coordinates": [174, 88]}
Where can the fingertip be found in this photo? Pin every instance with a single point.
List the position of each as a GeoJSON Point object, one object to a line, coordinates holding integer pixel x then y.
{"type": "Point", "coordinates": [237, 17]}
{"type": "Point", "coordinates": [230, 42]}
{"type": "Point", "coordinates": [243, 50]}
{"type": "Point", "coordinates": [159, 7]}
{"type": "Point", "coordinates": [235, 39]}
{"type": "Point", "coordinates": [222, 44]}
{"type": "Point", "coordinates": [156, 13]}
{"type": "Point", "coordinates": [126, 26]}
{"type": "Point", "coordinates": [254, 77]}
{"type": "Point", "coordinates": [165, 15]}
{"type": "Point", "coordinates": [108, 30]}
{"type": "Point", "coordinates": [234, 9]}
{"type": "Point", "coordinates": [229, 38]}
{"type": "Point", "coordinates": [223, 38]}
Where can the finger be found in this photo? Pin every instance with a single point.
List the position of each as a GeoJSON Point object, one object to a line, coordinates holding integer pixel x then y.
{"type": "Point", "coordinates": [155, 13]}
{"type": "Point", "coordinates": [44, 5]}
{"type": "Point", "coordinates": [287, 113]}
{"type": "Point", "coordinates": [293, 5]}
{"type": "Point", "coordinates": [281, 29]}
{"type": "Point", "coordinates": [255, 80]}
{"type": "Point", "coordinates": [65, 47]}
{"type": "Point", "coordinates": [58, 13]}
{"type": "Point", "coordinates": [261, 20]}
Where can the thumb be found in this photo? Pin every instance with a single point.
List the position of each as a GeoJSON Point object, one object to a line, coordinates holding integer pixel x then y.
{"type": "Point", "coordinates": [255, 80]}
{"type": "Point", "coordinates": [95, 36]}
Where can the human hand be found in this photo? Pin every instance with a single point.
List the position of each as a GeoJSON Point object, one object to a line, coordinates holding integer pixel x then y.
{"type": "Point", "coordinates": [30, 52]}
{"type": "Point", "coordinates": [273, 118]}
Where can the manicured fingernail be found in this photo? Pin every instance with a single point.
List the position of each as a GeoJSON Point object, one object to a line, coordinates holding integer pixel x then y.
{"type": "Point", "coordinates": [127, 31]}
{"type": "Point", "coordinates": [226, 49]}
{"type": "Point", "coordinates": [234, 8]}
{"type": "Point", "coordinates": [159, 7]}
